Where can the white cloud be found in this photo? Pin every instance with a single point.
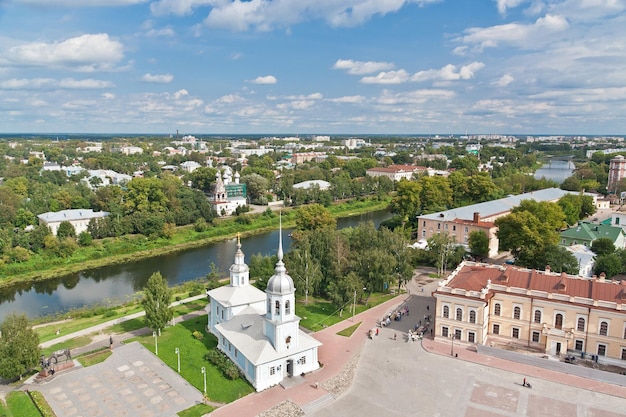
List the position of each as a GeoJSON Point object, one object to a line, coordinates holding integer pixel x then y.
{"type": "Point", "coordinates": [108, 96]}
{"type": "Point", "coordinates": [267, 79]}
{"type": "Point", "coordinates": [389, 77]}
{"type": "Point", "coordinates": [264, 15]}
{"type": "Point", "coordinates": [48, 83]}
{"type": "Point", "coordinates": [157, 78]}
{"type": "Point", "coordinates": [533, 35]}
{"type": "Point", "coordinates": [81, 3]}
{"type": "Point", "coordinates": [83, 53]}
{"type": "Point", "coordinates": [348, 99]}
{"type": "Point", "coordinates": [361, 67]}
{"type": "Point", "coordinates": [503, 5]}
{"type": "Point", "coordinates": [505, 80]}
{"type": "Point", "coordinates": [448, 73]}
{"type": "Point", "coordinates": [229, 99]}
{"type": "Point", "coordinates": [180, 94]}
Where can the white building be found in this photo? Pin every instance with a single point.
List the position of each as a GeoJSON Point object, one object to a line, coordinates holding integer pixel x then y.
{"type": "Point", "coordinates": [189, 166]}
{"type": "Point", "coordinates": [131, 150]}
{"type": "Point", "coordinates": [79, 218]}
{"type": "Point", "coordinates": [222, 203]}
{"type": "Point", "coordinates": [259, 331]}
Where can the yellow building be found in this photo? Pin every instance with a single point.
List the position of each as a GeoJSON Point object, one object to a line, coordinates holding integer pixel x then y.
{"type": "Point", "coordinates": [550, 312]}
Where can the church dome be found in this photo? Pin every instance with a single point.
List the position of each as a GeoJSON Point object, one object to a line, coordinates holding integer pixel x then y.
{"type": "Point", "coordinates": [280, 282]}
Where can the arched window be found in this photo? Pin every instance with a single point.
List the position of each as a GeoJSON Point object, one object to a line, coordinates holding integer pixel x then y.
{"type": "Point", "coordinates": [459, 314]}
{"type": "Point", "coordinates": [537, 316]}
{"type": "Point", "coordinates": [287, 309]}
{"type": "Point", "coordinates": [580, 325]}
{"type": "Point", "coordinates": [604, 328]}
{"type": "Point", "coordinates": [496, 309]}
{"type": "Point", "coordinates": [277, 308]}
{"type": "Point", "coordinates": [472, 317]}
{"type": "Point", "coordinates": [446, 312]}
{"type": "Point", "coordinates": [269, 306]}
{"type": "Point", "coordinates": [517, 312]}
{"type": "Point", "coordinates": [558, 321]}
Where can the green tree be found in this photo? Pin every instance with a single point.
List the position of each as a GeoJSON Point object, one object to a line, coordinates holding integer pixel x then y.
{"type": "Point", "coordinates": [441, 248]}
{"type": "Point", "coordinates": [19, 346]}
{"type": "Point", "coordinates": [156, 302]}
{"type": "Point", "coordinates": [407, 203]}
{"type": "Point", "coordinates": [256, 186]}
{"type": "Point", "coordinates": [436, 194]}
{"type": "Point", "coordinates": [603, 246]}
{"type": "Point", "coordinates": [65, 230]}
{"type": "Point", "coordinates": [610, 265]}
{"type": "Point", "coordinates": [314, 216]}
{"type": "Point", "coordinates": [478, 243]}
{"type": "Point", "coordinates": [84, 239]}
{"type": "Point", "coordinates": [304, 269]}
{"type": "Point", "coordinates": [559, 259]}
{"type": "Point", "coordinates": [203, 178]}
{"type": "Point", "coordinates": [24, 218]}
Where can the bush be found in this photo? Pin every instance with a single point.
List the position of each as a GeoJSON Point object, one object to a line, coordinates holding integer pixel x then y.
{"type": "Point", "coordinates": [198, 335]}
{"type": "Point", "coordinates": [223, 363]}
{"type": "Point", "coordinates": [84, 239]}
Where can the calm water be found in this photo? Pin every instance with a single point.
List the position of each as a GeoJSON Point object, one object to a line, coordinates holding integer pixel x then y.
{"type": "Point", "coordinates": [556, 171]}
{"type": "Point", "coordinates": [116, 283]}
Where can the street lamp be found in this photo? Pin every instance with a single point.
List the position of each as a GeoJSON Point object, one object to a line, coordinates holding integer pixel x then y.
{"type": "Point", "coordinates": [177, 352]}
{"type": "Point", "coordinates": [354, 304]}
{"type": "Point", "coordinates": [203, 369]}
{"type": "Point", "coordinates": [452, 337]}
{"type": "Point", "coordinates": [156, 344]}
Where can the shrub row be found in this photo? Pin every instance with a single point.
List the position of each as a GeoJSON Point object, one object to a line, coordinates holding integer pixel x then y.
{"type": "Point", "coordinates": [223, 363]}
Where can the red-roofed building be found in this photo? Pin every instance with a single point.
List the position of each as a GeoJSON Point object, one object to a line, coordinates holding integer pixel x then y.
{"type": "Point", "coordinates": [550, 312]}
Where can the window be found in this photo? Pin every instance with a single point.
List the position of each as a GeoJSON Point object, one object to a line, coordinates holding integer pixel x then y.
{"type": "Point", "coordinates": [302, 360]}
{"type": "Point", "coordinates": [446, 312]}
{"type": "Point", "coordinates": [578, 345]}
{"type": "Point", "coordinates": [424, 224]}
{"type": "Point", "coordinates": [287, 309]}
{"type": "Point", "coordinates": [623, 354]}
{"type": "Point", "coordinates": [496, 309]}
{"type": "Point", "coordinates": [624, 332]}
{"type": "Point", "coordinates": [471, 337]}
{"type": "Point", "coordinates": [537, 316]}
{"type": "Point", "coordinates": [277, 308]}
{"type": "Point", "coordinates": [496, 329]}
{"type": "Point", "coordinates": [517, 312]}
{"type": "Point", "coordinates": [424, 233]}
{"type": "Point", "coordinates": [601, 349]}
{"type": "Point", "coordinates": [445, 226]}
{"type": "Point", "coordinates": [236, 352]}
{"type": "Point", "coordinates": [444, 331]}
{"type": "Point", "coordinates": [459, 314]}
{"type": "Point", "coordinates": [536, 337]}
{"type": "Point", "coordinates": [466, 229]}
{"type": "Point", "coordinates": [222, 313]}
{"type": "Point", "coordinates": [558, 321]}
{"type": "Point", "coordinates": [454, 227]}
{"type": "Point", "coordinates": [457, 334]}
{"type": "Point", "coordinates": [604, 328]}
{"type": "Point", "coordinates": [273, 370]}
{"type": "Point", "coordinates": [617, 220]}
{"type": "Point", "coordinates": [580, 324]}
{"type": "Point", "coordinates": [438, 226]}
{"type": "Point", "coordinates": [515, 333]}
{"type": "Point", "coordinates": [472, 316]}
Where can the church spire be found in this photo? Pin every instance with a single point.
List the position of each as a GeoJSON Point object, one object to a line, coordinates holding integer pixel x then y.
{"type": "Point", "coordinates": [280, 238]}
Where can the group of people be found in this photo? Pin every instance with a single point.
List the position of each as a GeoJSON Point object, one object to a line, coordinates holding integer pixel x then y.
{"type": "Point", "coordinates": [396, 316]}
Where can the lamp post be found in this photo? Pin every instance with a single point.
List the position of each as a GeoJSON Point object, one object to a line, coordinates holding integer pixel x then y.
{"type": "Point", "coordinates": [452, 336]}
{"type": "Point", "coordinates": [156, 344]}
{"type": "Point", "coordinates": [177, 352]}
{"type": "Point", "coordinates": [203, 369]}
{"type": "Point", "coordinates": [354, 304]}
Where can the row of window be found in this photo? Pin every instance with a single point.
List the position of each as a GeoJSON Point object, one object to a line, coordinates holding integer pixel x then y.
{"type": "Point", "coordinates": [277, 307]}
{"type": "Point", "coordinates": [445, 226]}
{"type": "Point", "coordinates": [459, 314]}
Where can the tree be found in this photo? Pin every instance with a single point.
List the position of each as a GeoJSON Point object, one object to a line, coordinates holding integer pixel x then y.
{"type": "Point", "coordinates": [65, 230]}
{"type": "Point", "coordinates": [407, 203]}
{"type": "Point", "coordinates": [478, 244]}
{"type": "Point", "coordinates": [156, 302]}
{"type": "Point", "coordinates": [314, 216]}
{"type": "Point", "coordinates": [304, 268]}
{"type": "Point", "coordinates": [559, 259]}
{"type": "Point", "coordinates": [603, 246]}
{"type": "Point", "coordinates": [441, 248]}
{"type": "Point", "coordinates": [610, 265]}
{"type": "Point", "coordinates": [19, 346]}
{"type": "Point", "coordinates": [256, 186]}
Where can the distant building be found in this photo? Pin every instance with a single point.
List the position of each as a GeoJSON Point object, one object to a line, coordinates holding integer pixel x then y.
{"type": "Point", "coordinates": [396, 172]}
{"type": "Point", "coordinates": [480, 304]}
{"type": "Point", "coordinates": [586, 259]}
{"type": "Point", "coordinates": [298, 158]}
{"type": "Point", "coordinates": [189, 166]}
{"type": "Point", "coordinates": [617, 171]}
{"type": "Point", "coordinates": [131, 150]}
{"type": "Point", "coordinates": [79, 218]}
{"type": "Point", "coordinates": [585, 233]}
{"type": "Point", "coordinates": [226, 197]}
{"type": "Point", "coordinates": [305, 185]}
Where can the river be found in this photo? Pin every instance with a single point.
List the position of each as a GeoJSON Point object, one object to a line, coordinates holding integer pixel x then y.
{"type": "Point", "coordinates": [556, 170]}
{"type": "Point", "coordinates": [118, 283]}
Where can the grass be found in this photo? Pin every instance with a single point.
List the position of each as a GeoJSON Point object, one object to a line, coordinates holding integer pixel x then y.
{"type": "Point", "coordinates": [350, 330]}
{"type": "Point", "coordinates": [192, 351]}
{"type": "Point", "coordinates": [20, 405]}
{"type": "Point", "coordinates": [69, 344]}
{"type": "Point", "coordinates": [197, 410]}
{"type": "Point", "coordinates": [95, 358]}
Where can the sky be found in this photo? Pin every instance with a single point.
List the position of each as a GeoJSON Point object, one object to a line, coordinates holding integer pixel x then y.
{"type": "Point", "coordinates": [302, 67]}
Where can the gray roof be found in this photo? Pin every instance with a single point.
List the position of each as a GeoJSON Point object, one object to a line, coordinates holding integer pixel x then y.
{"type": "Point", "coordinates": [323, 185]}
{"type": "Point", "coordinates": [71, 215]}
{"type": "Point", "coordinates": [245, 333]}
{"type": "Point", "coordinates": [492, 208]}
{"type": "Point", "coordinates": [230, 296]}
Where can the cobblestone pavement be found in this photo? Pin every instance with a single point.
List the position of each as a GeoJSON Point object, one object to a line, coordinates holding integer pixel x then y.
{"type": "Point", "coordinates": [132, 382]}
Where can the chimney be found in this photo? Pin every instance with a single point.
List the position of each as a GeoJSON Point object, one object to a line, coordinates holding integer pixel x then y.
{"type": "Point", "coordinates": [547, 269]}
{"type": "Point", "coordinates": [476, 217]}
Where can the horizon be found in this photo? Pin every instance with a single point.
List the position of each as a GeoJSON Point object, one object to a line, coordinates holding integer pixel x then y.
{"type": "Point", "coordinates": [384, 67]}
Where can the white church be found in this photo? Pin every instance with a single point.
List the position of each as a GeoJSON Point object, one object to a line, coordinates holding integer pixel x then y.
{"type": "Point", "coordinates": [258, 330]}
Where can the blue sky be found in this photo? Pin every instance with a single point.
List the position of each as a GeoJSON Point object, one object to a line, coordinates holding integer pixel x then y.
{"type": "Point", "coordinates": [313, 66]}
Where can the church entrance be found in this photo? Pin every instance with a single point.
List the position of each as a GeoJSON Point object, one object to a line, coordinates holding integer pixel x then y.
{"type": "Point", "coordinates": [290, 367]}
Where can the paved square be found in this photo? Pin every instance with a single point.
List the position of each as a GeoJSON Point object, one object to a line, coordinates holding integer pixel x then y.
{"type": "Point", "coordinates": [131, 382]}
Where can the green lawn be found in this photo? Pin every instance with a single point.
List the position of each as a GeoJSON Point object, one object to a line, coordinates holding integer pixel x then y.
{"type": "Point", "coordinates": [20, 405]}
{"type": "Point", "coordinates": [192, 351]}
{"type": "Point", "coordinates": [197, 410]}
{"type": "Point", "coordinates": [95, 358]}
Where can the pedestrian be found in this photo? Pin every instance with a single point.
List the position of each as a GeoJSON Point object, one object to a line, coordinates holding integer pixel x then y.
{"type": "Point", "coordinates": [395, 335]}
{"type": "Point", "coordinates": [524, 383]}
{"type": "Point", "coordinates": [110, 342]}
{"type": "Point", "coordinates": [428, 308]}
{"type": "Point", "coordinates": [377, 331]}
{"type": "Point", "coordinates": [317, 385]}
{"type": "Point", "coordinates": [431, 332]}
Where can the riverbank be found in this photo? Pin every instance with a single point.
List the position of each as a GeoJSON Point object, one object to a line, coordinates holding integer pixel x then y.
{"type": "Point", "coordinates": [126, 249]}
